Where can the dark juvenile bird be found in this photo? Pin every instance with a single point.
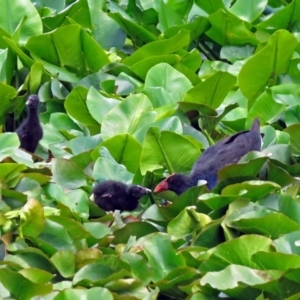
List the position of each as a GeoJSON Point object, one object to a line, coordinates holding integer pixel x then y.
{"type": "Point", "coordinates": [30, 132]}
{"type": "Point", "coordinates": [112, 195]}
{"type": "Point", "coordinates": [227, 151]}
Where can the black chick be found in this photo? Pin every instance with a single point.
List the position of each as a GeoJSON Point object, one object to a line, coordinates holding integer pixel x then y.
{"type": "Point", "coordinates": [30, 132]}
{"type": "Point", "coordinates": [227, 151]}
{"type": "Point", "coordinates": [112, 195]}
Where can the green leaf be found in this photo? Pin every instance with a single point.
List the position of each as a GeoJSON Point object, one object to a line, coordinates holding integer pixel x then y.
{"type": "Point", "coordinates": [70, 47]}
{"type": "Point", "coordinates": [36, 275]}
{"type": "Point", "coordinates": [168, 124]}
{"type": "Point", "coordinates": [9, 143]}
{"type": "Point", "coordinates": [92, 273]}
{"type": "Point", "coordinates": [280, 152]}
{"type": "Point", "coordinates": [22, 288]}
{"type": "Point", "coordinates": [104, 29]}
{"type": "Point", "coordinates": [64, 261]}
{"type": "Point", "coordinates": [287, 243]}
{"type": "Point", "coordinates": [137, 229]}
{"type": "Point", "coordinates": [140, 268]}
{"type": "Point", "coordinates": [236, 53]}
{"type": "Point", "coordinates": [278, 175]}
{"type": "Point", "coordinates": [187, 222]}
{"type": "Point", "coordinates": [98, 105]}
{"type": "Point", "coordinates": [292, 115]}
{"type": "Point", "coordinates": [250, 168]}
{"type": "Point", "coordinates": [136, 32]}
{"type": "Point", "coordinates": [293, 131]}
{"type": "Point", "coordinates": [233, 275]}
{"type": "Point", "coordinates": [284, 204]}
{"type": "Point", "coordinates": [232, 252]}
{"type": "Point", "coordinates": [282, 18]}
{"type": "Point", "coordinates": [31, 257]}
{"type": "Point", "coordinates": [196, 28]}
{"type": "Point", "coordinates": [56, 5]}
{"type": "Point", "coordinates": [75, 105]}
{"type": "Point", "coordinates": [10, 170]}
{"type": "Point", "coordinates": [69, 13]}
{"type": "Point", "coordinates": [167, 150]}
{"type": "Point", "coordinates": [25, 59]}
{"type": "Point", "coordinates": [254, 189]}
{"type": "Point", "coordinates": [266, 108]}
{"type": "Point", "coordinates": [276, 261]}
{"type": "Point", "coordinates": [67, 174]}
{"type": "Point", "coordinates": [229, 29]}
{"type": "Point", "coordinates": [50, 136]}
{"type": "Point", "coordinates": [159, 48]}
{"type": "Point", "coordinates": [170, 284]}
{"type": "Point", "coordinates": [36, 73]}
{"type": "Point", "coordinates": [248, 11]}
{"type": "Point", "coordinates": [77, 200]}
{"type": "Point", "coordinates": [286, 93]}
{"type": "Point", "coordinates": [124, 149]}
{"type": "Point", "coordinates": [61, 121]}
{"type": "Point", "coordinates": [141, 68]}
{"type": "Point", "coordinates": [32, 218]}
{"type": "Point", "coordinates": [212, 91]}
{"type": "Point", "coordinates": [254, 219]}
{"type": "Point", "coordinates": [166, 15]}
{"type": "Point", "coordinates": [83, 144]}
{"type": "Point", "coordinates": [161, 255]}
{"type": "Point", "coordinates": [130, 114]}
{"type": "Point", "coordinates": [75, 229]}
{"type": "Point", "coordinates": [164, 76]}
{"type": "Point", "coordinates": [210, 6]}
{"type": "Point", "coordinates": [262, 69]}
{"type": "Point", "coordinates": [188, 198]}
{"type": "Point", "coordinates": [105, 169]}
{"type": "Point", "coordinates": [97, 230]}
{"type": "Point", "coordinates": [57, 236]}
{"type": "Point", "coordinates": [93, 293]}
{"type": "Point", "coordinates": [10, 19]}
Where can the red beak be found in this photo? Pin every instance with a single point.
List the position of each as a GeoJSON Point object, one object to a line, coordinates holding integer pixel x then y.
{"type": "Point", "coordinates": [162, 186]}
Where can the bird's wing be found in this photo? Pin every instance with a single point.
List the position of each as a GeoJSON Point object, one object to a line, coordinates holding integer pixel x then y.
{"type": "Point", "coordinates": [231, 139]}
{"type": "Point", "coordinates": [106, 195]}
{"type": "Point", "coordinates": [233, 151]}
{"type": "Point", "coordinates": [228, 151]}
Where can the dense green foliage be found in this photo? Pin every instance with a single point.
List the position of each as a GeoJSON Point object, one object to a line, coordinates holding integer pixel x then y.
{"type": "Point", "coordinates": [134, 91]}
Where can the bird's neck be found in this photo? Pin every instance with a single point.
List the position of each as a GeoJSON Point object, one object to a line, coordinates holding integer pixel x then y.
{"type": "Point", "coordinates": [186, 183]}
{"type": "Point", "coordinates": [189, 182]}
{"type": "Point", "coordinates": [33, 116]}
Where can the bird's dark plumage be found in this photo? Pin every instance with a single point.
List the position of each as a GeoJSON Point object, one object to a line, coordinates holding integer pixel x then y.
{"type": "Point", "coordinates": [30, 132]}
{"type": "Point", "coordinates": [227, 151]}
{"type": "Point", "coordinates": [112, 195]}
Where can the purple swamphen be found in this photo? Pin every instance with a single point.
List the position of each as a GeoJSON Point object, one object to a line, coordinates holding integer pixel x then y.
{"type": "Point", "coordinates": [225, 152]}
{"type": "Point", "coordinates": [30, 131]}
{"type": "Point", "coordinates": [112, 195]}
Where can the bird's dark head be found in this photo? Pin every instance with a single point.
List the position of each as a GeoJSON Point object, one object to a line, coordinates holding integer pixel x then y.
{"type": "Point", "coordinates": [137, 191]}
{"type": "Point", "coordinates": [177, 183]}
{"type": "Point", "coordinates": [33, 101]}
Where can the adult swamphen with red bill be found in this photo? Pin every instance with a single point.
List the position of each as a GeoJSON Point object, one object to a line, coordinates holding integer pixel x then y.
{"type": "Point", "coordinates": [113, 195]}
{"type": "Point", "coordinates": [30, 132]}
{"type": "Point", "coordinates": [226, 152]}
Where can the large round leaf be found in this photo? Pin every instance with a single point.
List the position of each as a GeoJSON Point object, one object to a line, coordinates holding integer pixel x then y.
{"type": "Point", "coordinates": [164, 76]}
{"type": "Point", "coordinates": [9, 143]}
{"type": "Point", "coordinates": [10, 19]}
{"type": "Point", "coordinates": [167, 150]}
{"type": "Point", "coordinates": [128, 116]}
{"type": "Point", "coordinates": [67, 174]}
{"type": "Point", "coordinates": [124, 149]}
{"type": "Point", "coordinates": [263, 68]}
